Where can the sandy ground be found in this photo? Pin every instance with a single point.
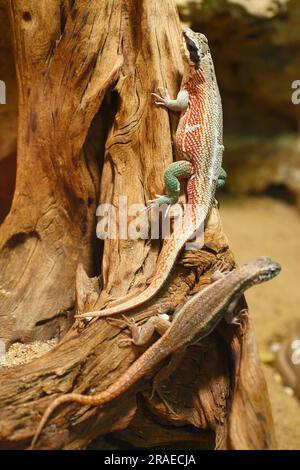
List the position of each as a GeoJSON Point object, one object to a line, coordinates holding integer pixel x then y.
{"type": "Point", "coordinates": [19, 353]}
{"type": "Point", "coordinates": [264, 226]}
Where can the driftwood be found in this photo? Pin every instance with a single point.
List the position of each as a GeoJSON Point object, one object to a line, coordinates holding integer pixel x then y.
{"type": "Point", "coordinates": [86, 71]}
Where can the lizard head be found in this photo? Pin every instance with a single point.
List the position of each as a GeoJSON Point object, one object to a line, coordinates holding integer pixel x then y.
{"type": "Point", "coordinates": [261, 270]}
{"type": "Point", "coordinates": [195, 48]}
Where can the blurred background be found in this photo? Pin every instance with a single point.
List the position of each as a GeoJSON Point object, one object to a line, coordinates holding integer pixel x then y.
{"type": "Point", "coordinates": [255, 46]}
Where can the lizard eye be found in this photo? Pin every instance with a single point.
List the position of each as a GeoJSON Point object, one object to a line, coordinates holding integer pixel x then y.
{"type": "Point", "coordinates": [190, 44]}
{"type": "Point", "coordinates": [192, 47]}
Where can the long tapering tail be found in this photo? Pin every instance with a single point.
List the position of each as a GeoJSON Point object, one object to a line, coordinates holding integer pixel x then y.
{"type": "Point", "coordinates": [166, 260]}
{"type": "Point", "coordinates": [136, 371]}
{"type": "Point", "coordinates": [191, 223]}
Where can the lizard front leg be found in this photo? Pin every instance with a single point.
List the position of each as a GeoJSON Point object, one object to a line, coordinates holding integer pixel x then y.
{"type": "Point", "coordinates": [176, 170]}
{"type": "Point", "coordinates": [140, 335]}
{"type": "Point", "coordinates": [230, 314]}
{"type": "Point", "coordinates": [164, 374]}
{"type": "Point", "coordinates": [179, 104]}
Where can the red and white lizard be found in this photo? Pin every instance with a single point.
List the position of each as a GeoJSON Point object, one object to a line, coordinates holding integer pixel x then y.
{"type": "Point", "coordinates": [199, 145]}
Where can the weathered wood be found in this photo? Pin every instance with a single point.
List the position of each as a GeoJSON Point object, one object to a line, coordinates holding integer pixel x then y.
{"type": "Point", "coordinates": [76, 60]}
{"type": "Point", "coordinates": [63, 75]}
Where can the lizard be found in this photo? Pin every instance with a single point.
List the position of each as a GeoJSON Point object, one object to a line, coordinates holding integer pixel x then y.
{"type": "Point", "coordinates": [199, 146]}
{"type": "Point", "coordinates": [193, 321]}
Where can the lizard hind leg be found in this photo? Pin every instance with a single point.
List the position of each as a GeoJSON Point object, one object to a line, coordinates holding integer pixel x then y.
{"type": "Point", "coordinates": [163, 375]}
{"type": "Point", "coordinates": [174, 172]}
{"type": "Point", "coordinates": [141, 334]}
{"type": "Point", "coordinates": [221, 178]}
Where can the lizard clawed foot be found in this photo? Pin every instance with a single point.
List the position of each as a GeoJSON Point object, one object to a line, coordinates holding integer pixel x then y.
{"type": "Point", "coordinates": [216, 275]}
{"type": "Point", "coordinates": [154, 201]}
{"type": "Point", "coordinates": [124, 343]}
{"type": "Point", "coordinates": [163, 98]}
{"type": "Point", "coordinates": [157, 201]}
{"type": "Point", "coordinates": [160, 200]}
{"type": "Point", "coordinates": [156, 388]}
{"type": "Point", "coordinates": [124, 323]}
{"type": "Point", "coordinates": [221, 269]}
{"type": "Point", "coordinates": [233, 319]}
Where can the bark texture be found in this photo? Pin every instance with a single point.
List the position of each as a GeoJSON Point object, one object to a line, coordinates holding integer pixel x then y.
{"type": "Point", "coordinates": [86, 71]}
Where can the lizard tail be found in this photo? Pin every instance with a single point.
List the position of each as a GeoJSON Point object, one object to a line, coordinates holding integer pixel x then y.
{"type": "Point", "coordinates": [135, 372]}
{"type": "Point", "coordinates": [191, 223]}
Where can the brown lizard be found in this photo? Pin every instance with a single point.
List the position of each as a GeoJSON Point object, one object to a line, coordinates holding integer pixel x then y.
{"type": "Point", "coordinates": [195, 320]}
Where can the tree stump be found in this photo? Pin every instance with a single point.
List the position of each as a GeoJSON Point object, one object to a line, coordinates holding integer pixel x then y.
{"type": "Point", "coordinates": [88, 133]}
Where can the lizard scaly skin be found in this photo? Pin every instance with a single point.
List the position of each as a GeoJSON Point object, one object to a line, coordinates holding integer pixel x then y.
{"type": "Point", "coordinates": [199, 145]}
{"type": "Point", "coordinates": [195, 320]}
